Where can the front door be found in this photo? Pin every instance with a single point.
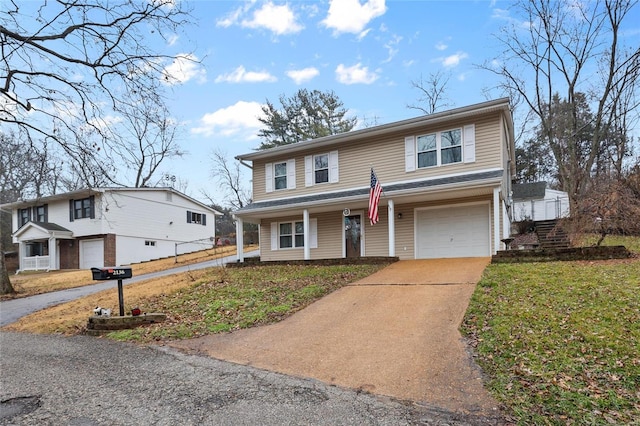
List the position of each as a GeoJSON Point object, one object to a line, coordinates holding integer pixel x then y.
{"type": "Point", "coordinates": [353, 235]}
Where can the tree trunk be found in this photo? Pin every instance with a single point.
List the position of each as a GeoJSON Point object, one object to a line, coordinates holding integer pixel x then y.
{"type": "Point", "coordinates": [5, 283]}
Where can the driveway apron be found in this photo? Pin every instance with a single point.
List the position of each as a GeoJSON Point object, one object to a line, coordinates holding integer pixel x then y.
{"type": "Point", "coordinates": [394, 333]}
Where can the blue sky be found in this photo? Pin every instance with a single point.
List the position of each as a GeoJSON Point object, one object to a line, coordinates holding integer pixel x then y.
{"type": "Point", "coordinates": [368, 53]}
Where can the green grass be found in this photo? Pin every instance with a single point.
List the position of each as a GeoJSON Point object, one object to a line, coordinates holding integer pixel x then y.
{"type": "Point", "coordinates": [559, 341]}
{"type": "Point", "coordinates": [233, 298]}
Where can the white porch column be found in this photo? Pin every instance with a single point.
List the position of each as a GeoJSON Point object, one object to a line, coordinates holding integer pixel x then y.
{"type": "Point", "coordinates": [307, 236]}
{"type": "Point", "coordinates": [239, 239]}
{"type": "Point", "coordinates": [53, 255]}
{"type": "Point", "coordinates": [392, 229]}
{"type": "Point", "coordinates": [497, 211]}
{"type": "Point", "coordinates": [21, 254]}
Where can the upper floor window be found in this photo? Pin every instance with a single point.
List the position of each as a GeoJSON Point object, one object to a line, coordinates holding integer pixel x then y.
{"type": "Point", "coordinates": [82, 209]}
{"type": "Point", "coordinates": [321, 168]}
{"type": "Point", "coordinates": [40, 213]}
{"type": "Point", "coordinates": [440, 148]}
{"type": "Point", "coordinates": [24, 216]}
{"type": "Point", "coordinates": [197, 218]}
{"type": "Point", "coordinates": [281, 175]}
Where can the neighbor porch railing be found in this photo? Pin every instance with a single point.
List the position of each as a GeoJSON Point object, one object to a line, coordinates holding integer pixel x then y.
{"type": "Point", "coordinates": [35, 263]}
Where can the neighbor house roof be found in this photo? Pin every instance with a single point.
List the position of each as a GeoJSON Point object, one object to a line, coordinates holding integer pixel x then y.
{"type": "Point", "coordinates": [81, 193]}
{"type": "Point", "coordinates": [528, 191]}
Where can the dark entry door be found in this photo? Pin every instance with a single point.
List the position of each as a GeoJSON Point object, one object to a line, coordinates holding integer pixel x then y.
{"type": "Point", "coordinates": [352, 235]}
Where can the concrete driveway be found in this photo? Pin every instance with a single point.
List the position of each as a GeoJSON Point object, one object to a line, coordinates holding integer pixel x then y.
{"type": "Point", "coordinates": [393, 333]}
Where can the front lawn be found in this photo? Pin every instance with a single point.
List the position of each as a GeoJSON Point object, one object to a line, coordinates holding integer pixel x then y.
{"type": "Point", "coordinates": [559, 341]}
{"type": "Point", "coordinates": [205, 301]}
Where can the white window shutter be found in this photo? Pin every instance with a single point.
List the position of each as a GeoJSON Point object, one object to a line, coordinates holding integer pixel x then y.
{"type": "Point", "coordinates": [291, 174]}
{"type": "Point", "coordinates": [409, 154]}
{"type": "Point", "coordinates": [333, 167]}
{"type": "Point", "coordinates": [274, 236]}
{"type": "Point", "coordinates": [308, 170]}
{"type": "Point", "coordinates": [268, 177]}
{"type": "Point", "coordinates": [470, 143]}
{"type": "Point", "coordinates": [313, 233]}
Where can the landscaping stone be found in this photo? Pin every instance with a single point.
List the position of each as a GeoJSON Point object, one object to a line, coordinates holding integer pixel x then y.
{"type": "Point", "coordinates": [562, 254]}
{"type": "Point", "coordinates": [98, 324]}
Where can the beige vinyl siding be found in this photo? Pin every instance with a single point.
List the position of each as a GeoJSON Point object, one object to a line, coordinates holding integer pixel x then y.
{"type": "Point", "coordinates": [329, 239]}
{"type": "Point", "coordinates": [387, 156]}
{"type": "Point", "coordinates": [377, 236]}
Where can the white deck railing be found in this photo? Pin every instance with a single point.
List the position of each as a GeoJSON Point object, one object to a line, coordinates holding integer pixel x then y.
{"type": "Point", "coordinates": [34, 263]}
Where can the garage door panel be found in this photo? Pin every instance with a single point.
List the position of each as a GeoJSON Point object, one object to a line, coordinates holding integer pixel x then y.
{"type": "Point", "coordinates": [91, 254]}
{"type": "Point", "coordinates": [453, 232]}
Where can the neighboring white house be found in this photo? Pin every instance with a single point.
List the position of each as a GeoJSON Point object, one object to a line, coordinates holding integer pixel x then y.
{"type": "Point", "coordinates": [108, 227]}
{"type": "Point", "coordinates": [535, 201]}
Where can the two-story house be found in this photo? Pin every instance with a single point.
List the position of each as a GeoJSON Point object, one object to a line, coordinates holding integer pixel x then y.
{"type": "Point", "coordinates": [108, 226]}
{"type": "Point", "coordinates": [446, 181]}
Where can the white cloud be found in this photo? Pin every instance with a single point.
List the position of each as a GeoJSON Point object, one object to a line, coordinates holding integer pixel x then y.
{"type": "Point", "coordinates": [241, 75]}
{"type": "Point", "coordinates": [355, 74]}
{"type": "Point", "coordinates": [351, 16]}
{"type": "Point", "coordinates": [278, 19]}
{"type": "Point", "coordinates": [185, 67]}
{"type": "Point", "coordinates": [173, 40]}
{"type": "Point", "coordinates": [239, 119]}
{"type": "Point", "coordinates": [441, 46]}
{"type": "Point", "coordinates": [392, 47]}
{"type": "Point", "coordinates": [451, 60]}
{"type": "Point", "coordinates": [303, 75]}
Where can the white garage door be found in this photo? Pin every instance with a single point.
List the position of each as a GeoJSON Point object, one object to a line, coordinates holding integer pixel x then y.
{"type": "Point", "coordinates": [453, 232]}
{"type": "Point", "coordinates": [91, 254]}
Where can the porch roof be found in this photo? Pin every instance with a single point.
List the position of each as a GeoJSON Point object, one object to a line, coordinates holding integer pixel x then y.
{"type": "Point", "coordinates": [39, 230]}
{"type": "Point", "coordinates": [469, 182]}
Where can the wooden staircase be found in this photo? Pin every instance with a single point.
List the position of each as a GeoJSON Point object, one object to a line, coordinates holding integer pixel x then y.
{"type": "Point", "coordinates": [551, 235]}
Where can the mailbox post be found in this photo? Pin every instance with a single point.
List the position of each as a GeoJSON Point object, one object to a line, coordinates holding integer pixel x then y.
{"type": "Point", "coordinates": [114, 273]}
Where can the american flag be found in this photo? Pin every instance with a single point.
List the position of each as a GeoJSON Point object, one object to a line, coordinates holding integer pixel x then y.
{"type": "Point", "coordinates": [374, 198]}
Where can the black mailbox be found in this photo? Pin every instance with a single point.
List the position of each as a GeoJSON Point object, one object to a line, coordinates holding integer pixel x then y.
{"type": "Point", "coordinates": [112, 273]}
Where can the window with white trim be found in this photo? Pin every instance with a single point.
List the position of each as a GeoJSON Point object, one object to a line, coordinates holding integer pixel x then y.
{"type": "Point", "coordinates": [197, 218]}
{"type": "Point", "coordinates": [437, 149]}
{"type": "Point", "coordinates": [321, 168]}
{"type": "Point", "coordinates": [291, 234]}
{"type": "Point", "coordinates": [280, 176]}
{"type": "Point", "coordinates": [440, 148]}
{"type": "Point", "coordinates": [150, 243]}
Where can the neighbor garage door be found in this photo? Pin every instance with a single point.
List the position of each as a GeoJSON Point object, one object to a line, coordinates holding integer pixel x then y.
{"type": "Point", "coordinates": [91, 254]}
{"type": "Point", "coordinates": [453, 232]}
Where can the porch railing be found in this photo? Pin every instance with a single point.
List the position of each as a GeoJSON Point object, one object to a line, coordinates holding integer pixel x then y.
{"type": "Point", "coordinates": [35, 263]}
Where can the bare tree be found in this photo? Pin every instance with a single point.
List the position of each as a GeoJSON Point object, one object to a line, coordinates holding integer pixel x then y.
{"type": "Point", "coordinates": [144, 139]}
{"type": "Point", "coordinates": [229, 176]}
{"type": "Point", "coordinates": [609, 206]}
{"type": "Point", "coordinates": [572, 48]}
{"type": "Point", "coordinates": [67, 65]}
{"type": "Point", "coordinates": [432, 92]}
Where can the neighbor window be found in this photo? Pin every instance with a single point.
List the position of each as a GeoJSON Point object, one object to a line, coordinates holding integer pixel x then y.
{"type": "Point", "coordinates": [280, 175]}
{"type": "Point", "coordinates": [321, 168]}
{"type": "Point", "coordinates": [291, 234]}
{"type": "Point", "coordinates": [439, 148]}
{"type": "Point", "coordinates": [23, 216]}
{"type": "Point", "coordinates": [40, 213]}
{"type": "Point", "coordinates": [81, 209]}
{"type": "Point", "coordinates": [150, 243]}
{"type": "Point", "coordinates": [197, 218]}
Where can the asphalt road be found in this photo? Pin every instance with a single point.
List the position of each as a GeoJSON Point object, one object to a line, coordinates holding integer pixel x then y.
{"type": "Point", "coordinates": [87, 381]}
{"type": "Point", "coordinates": [13, 310]}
